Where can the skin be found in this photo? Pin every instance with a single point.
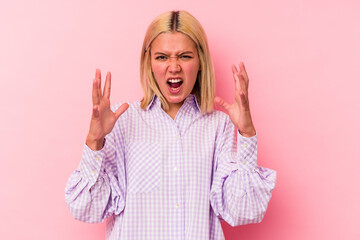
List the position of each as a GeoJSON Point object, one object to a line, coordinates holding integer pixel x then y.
{"type": "Point", "coordinates": [239, 111]}
{"type": "Point", "coordinates": [174, 55]}
{"type": "Point", "coordinates": [102, 118]}
{"type": "Point", "coordinates": [172, 45]}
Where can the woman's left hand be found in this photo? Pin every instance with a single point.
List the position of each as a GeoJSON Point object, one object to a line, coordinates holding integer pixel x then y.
{"type": "Point", "coordinates": [239, 111]}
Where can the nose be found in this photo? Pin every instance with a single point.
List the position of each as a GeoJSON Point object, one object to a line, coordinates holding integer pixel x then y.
{"type": "Point", "coordinates": [174, 65]}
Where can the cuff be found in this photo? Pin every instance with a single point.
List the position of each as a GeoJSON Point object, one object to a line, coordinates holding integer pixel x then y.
{"type": "Point", "coordinates": [91, 162]}
{"type": "Point", "coordinates": [247, 152]}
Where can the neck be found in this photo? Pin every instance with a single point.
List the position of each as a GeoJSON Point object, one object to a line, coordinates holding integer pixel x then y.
{"type": "Point", "coordinates": [173, 109]}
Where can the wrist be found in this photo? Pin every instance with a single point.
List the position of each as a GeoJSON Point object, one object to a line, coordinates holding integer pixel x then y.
{"type": "Point", "coordinates": [95, 144]}
{"type": "Point", "coordinates": [248, 133]}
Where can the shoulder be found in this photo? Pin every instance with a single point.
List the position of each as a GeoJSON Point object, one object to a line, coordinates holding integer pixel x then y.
{"type": "Point", "coordinates": [217, 116]}
{"type": "Point", "coordinates": [132, 105]}
{"type": "Point", "coordinates": [128, 119]}
{"type": "Point", "coordinates": [134, 108]}
{"type": "Point", "coordinates": [216, 121]}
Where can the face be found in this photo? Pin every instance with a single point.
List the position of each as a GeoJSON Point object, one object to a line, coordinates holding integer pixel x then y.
{"type": "Point", "coordinates": [175, 65]}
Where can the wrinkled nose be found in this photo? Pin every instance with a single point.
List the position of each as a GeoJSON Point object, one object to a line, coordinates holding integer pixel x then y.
{"type": "Point", "coordinates": [174, 65]}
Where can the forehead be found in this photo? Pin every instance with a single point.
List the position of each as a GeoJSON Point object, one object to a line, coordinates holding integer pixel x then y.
{"type": "Point", "coordinates": [173, 42]}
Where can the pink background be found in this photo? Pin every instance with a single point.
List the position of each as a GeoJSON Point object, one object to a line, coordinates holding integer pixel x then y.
{"type": "Point", "coordinates": [303, 61]}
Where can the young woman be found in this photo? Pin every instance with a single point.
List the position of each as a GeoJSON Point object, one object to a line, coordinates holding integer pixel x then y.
{"type": "Point", "coordinates": [169, 166]}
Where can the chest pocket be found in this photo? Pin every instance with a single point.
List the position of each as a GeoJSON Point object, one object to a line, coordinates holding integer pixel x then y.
{"type": "Point", "coordinates": [143, 166]}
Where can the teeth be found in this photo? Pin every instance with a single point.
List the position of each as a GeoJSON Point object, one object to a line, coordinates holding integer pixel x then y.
{"type": "Point", "coordinates": [174, 80]}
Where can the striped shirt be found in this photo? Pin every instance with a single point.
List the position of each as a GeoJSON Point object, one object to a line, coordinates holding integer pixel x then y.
{"type": "Point", "coordinates": [158, 178]}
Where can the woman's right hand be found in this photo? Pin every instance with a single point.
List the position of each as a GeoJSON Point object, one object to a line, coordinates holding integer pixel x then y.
{"type": "Point", "coordinates": [102, 119]}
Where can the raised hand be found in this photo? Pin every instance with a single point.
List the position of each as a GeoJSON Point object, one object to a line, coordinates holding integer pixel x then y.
{"type": "Point", "coordinates": [102, 119]}
{"type": "Point", "coordinates": [239, 111]}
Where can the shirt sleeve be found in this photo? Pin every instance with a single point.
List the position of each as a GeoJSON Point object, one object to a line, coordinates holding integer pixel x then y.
{"type": "Point", "coordinates": [96, 189]}
{"type": "Point", "coordinates": [240, 190]}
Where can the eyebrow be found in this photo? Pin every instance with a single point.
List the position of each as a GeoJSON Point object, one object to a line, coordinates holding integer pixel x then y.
{"type": "Point", "coordinates": [181, 53]}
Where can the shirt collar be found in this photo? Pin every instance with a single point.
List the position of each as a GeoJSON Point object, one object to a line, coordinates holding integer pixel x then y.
{"type": "Point", "coordinates": [193, 102]}
{"type": "Point", "coordinates": [152, 102]}
{"type": "Point", "coordinates": [189, 100]}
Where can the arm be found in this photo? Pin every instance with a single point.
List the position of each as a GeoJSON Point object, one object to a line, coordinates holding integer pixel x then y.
{"type": "Point", "coordinates": [97, 188]}
{"type": "Point", "coordinates": [241, 190]}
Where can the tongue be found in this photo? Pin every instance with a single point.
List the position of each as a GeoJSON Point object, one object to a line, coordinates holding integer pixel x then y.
{"type": "Point", "coordinates": [175, 85]}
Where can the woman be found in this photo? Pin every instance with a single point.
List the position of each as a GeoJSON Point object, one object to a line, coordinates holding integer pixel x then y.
{"type": "Point", "coordinates": [170, 167]}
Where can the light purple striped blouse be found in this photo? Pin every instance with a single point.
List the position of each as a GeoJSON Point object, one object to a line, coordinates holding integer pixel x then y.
{"type": "Point", "coordinates": [159, 178]}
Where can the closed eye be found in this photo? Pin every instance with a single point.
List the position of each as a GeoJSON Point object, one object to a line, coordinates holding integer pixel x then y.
{"type": "Point", "coordinates": [185, 57]}
{"type": "Point", "coordinates": [161, 57]}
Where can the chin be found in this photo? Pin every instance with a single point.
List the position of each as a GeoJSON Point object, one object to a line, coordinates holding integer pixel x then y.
{"type": "Point", "coordinates": [175, 99]}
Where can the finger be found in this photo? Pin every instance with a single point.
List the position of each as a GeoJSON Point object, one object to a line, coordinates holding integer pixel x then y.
{"type": "Point", "coordinates": [244, 73]}
{"type": "Point", "coordinates": [95, 112]}
{"type": "Point", "coordinates": [98, 79]}
{"type": "Point", "coordinates": [236, 78]}
{"type": "Point", "coordinates": [121, 110]}
{"type": "Point", "coordinates": [244, 100]}
{"type": "Point", "coordinates": [240, 83]}
{"type": "Point", "coordinates": [222, 103]}
{"type": "Point", "coordinates": [95, 93]}
{"type": "Point", "coordinates": [243, 83]}
{"type": "Point", "coordinates": [107, 86]}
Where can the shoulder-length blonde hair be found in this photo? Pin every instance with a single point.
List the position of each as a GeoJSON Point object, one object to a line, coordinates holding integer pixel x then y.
{"type": "Point", "coordinates": [184, 22]}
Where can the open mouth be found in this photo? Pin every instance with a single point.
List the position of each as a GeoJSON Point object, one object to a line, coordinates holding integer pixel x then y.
{"type": "Point", "coordinates": [175, 83]}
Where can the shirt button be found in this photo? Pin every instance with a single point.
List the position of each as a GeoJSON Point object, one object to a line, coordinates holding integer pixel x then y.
{"type": "Point", "coordinates": [245, 145]}
{"type": "Point", "coordinates": [177, 205]}
{"type": "Point", "coordinates": [175, 168]}
{"type": "Point", "coordinates": [244, 161]}
{"type": "Point", "coordinates": [94, 172]}
{"type": "Point", "coordinates": [97, 158]}
{"type": "Point", "coordinates": [176, 136]}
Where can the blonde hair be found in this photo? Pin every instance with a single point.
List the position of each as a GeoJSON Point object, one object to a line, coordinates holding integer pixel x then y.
{"type": "Point", "coordinates": [183, 22]}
